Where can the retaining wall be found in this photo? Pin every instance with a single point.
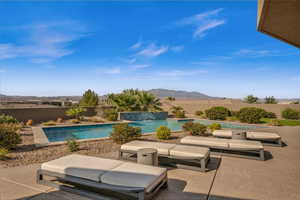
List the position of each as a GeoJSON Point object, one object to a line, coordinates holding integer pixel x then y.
{"type": "Point", "coordinates": [41, 114]}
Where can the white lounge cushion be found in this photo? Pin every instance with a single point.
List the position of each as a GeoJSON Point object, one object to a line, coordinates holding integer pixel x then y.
{"type": "Point", "coordinates": [162, 148]}
{"type": "Point", "coordinates": [205, 141]}
{"type": "Point", "coordinates": [245, 145]}
{"type": "Point", "coordinates": [222, 133]}
{"type": "Point", "coordinates": [134, 175]}
{"type": "Point", "coordinates": [262, 135]}
{"type": "Point", "coordinates": [189, 151]}
{"type": "Point", "coordinates": [81, 166]}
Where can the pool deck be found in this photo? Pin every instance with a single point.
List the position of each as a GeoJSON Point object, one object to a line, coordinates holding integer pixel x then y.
{"type": "Point", "coordinates": [277, 178]}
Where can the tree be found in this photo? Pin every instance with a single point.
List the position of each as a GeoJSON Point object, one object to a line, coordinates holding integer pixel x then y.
{"type": "Point", "coordinates": [171, 98]}
{"type": "Point", "coordinates": [178, 111]}
{"type": "Point", "coordinates": [270, 100]}
{"type": "Point", "coordinates": [251, 99]}
{"type": "Point", "coordinates": [89, 99]}
{"type": "Point", "coordinates": [134, 100]}
{"type": "Point", "coordinates": [76, 112]}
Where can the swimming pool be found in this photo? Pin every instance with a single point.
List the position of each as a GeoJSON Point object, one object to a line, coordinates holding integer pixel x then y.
{"type": "Point", "coordinates": [58, 134]}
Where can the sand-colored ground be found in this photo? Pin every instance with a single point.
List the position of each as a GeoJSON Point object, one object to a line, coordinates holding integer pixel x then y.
{"type": "Point", "coordinates": [192, 105]}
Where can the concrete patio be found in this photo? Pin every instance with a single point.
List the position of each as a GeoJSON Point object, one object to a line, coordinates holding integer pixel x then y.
{"type": "Point", "coordinates": [277, 178]}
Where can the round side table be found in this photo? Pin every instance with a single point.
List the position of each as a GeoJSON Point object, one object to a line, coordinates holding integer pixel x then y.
{"type": "Point", "coordinates": [147, 156]}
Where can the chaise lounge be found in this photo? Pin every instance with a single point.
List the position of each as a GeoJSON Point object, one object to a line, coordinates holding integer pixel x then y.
{"type": "Point", "coordinates": [267, 138]}
{"type": "Point", "coordinates": [182, 156]}
{"type": "Point", "coordinates": [110, 177]}
{"type": "Point", "coordinates": [229, 147]}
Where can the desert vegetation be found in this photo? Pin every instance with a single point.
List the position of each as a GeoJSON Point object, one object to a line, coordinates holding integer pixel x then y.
{"type": "Point", "coordinates": [163, 133]}
{"type": "Point", "coordinates": [123, 133]}
{"type": "Point", "coordinates": [178, 111]}
{"type": "Point", "coordinates": [134, 100]}
{"type": "Point", "coordinates": [194, 128]}
{"type": "Point", "coordinates": [89, 99]}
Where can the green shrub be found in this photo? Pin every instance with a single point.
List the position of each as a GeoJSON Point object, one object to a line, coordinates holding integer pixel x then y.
{"type": "Point", "coordinates": [232, 118]}
{"type": "Point", "coordinates": [251, 99]}
{"type": "Point", "coordinates": [251, 115]}
{"type": "Point", "coordinates": [3, 153]}
{"type": "Point", "coordinates": [270, 115]}
{"type": "Point", "coordinates": [163, 133]}
{"type": "Point", "coordinates": [76, 112]}
{"type": "Point", "coordinates": [217, 113]}
{"type": "Point", "coordinates": [194, 128]}
{"type": "Point", "coordinates": [89, 99]}
{"type": "Point", "coordinates": [178, 111]}
{"type": "Point", "coordinates": [214, 126]}
{"type": "Point", "coordinates": [110, 114]}
{"type": "Point", "coordinates": [72, 145]}
{"type": "Point", "coordinates": [123, 133]}
{"type": "Point", "coordinates": [199, 113]}
{"type": "Point", "coordinates": [290, 113]}
{"type": "Point", "coordinates": [9, 136]}
{"type": "Point", "coordinates": [7, 119]}
{"type": "Point", "coordinates": [187, 126]}
{"type": "Point", "coordinates": [275, 122]}
{"type": "Point", "coordinates": [270, 100]}
{"type": "Point", "coordinates": [49, 123]}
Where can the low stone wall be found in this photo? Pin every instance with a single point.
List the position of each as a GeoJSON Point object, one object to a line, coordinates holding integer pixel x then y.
{"type": "Point", "coordinates": [41, 114]}
{"type": "Point", "coordinates": [138, 116]}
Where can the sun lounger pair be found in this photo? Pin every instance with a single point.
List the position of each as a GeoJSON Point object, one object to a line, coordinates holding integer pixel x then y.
{"type": "Point", "coordinates": [182, 156]}
{"type": "Point", "coordinates": [230, 147]}
{"type": "Point", "coordinates": [111, 177]}
{"type": "Point", "coordinates": [266, 137]}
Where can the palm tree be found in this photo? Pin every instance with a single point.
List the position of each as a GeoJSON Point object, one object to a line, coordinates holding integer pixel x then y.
{"type": "Point", "coordinates": [134, 100]}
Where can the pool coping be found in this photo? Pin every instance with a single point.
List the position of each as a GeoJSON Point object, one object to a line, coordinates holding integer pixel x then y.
{"type": "Point", "coordinates": [41, 140]}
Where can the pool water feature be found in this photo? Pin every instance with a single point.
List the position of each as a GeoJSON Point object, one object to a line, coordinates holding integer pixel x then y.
{"type": "Point", "coordinates": [58, 134]}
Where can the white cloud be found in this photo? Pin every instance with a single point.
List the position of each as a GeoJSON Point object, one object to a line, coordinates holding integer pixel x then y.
{"type": "Point", "coordinates": [46, 41]}
{"type": "Point", "coordinates": [203, 63]}
{"type": "Point", "coordinates": [130, 60]}
{"type": "Point", "coordinates": [253, 53]}
{"type": "Point", "coordinates": [136, 45]}
{"type": "Point", "coordinates": [140, 66]}
{"type": "Point", "coordinates": [179, 73]}
{"type": "Point", "coordinates": [203, 22]}
{"type": "Point", "coordinates": [203, 28]}
{"type": "Point", "coordinates": [177, 48]}
{"type": "Point", "coordinates": [115, 70]}
{"type": "Point", "coordinates": [152, 50]}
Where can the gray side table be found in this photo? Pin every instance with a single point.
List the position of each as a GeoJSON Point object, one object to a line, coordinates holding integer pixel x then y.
{"type": "Point", "coordinates": [147, 156]}
{"type": "Point", "coordinates": [239, 135]}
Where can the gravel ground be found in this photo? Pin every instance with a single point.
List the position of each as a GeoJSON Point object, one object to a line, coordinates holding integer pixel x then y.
{"type": "Point", "coordinates": [26, 153]}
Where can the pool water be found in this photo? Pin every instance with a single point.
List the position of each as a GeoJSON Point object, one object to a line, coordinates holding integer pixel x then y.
{"type": "Point", "coordinates": [57, 134]}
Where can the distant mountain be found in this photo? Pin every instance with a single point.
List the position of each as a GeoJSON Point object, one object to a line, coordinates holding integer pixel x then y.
{"type": "Point", "coordinates": [162, 93]}
{"type": "Point", "coordinates": [2, 95]}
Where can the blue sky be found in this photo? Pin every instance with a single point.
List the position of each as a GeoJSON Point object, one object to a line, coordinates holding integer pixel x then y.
{"type": "Point", "coordinates": [64, 48]}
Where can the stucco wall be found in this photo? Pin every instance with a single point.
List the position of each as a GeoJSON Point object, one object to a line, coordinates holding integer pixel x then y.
{"type": "Point", "coordinates": [137, 116]}
{"type": "Point", "coordinates": [41, 114]}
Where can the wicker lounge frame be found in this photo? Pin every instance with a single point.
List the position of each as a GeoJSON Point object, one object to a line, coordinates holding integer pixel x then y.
{"type": "Point", "coordinates": [176, 161]}
{"type": "Point", "coordinates": [89, 188]}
